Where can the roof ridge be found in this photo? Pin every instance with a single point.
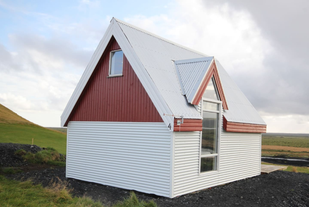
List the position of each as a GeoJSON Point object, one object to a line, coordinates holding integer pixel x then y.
{"type": "Point", "coordinates": [161, 38]}
{"type": "Point", "coordinates": [194, 60]}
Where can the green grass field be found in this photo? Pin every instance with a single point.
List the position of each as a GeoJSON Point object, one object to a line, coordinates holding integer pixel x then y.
{"type": "Point", "coordinates": [15, 193]}
{"type": "Point", "coordinates": [60, 129]}
{"type": "Point", "coordinates": [16, 129]}
{"type": "Point", "coordinates": [286, 141]}
{"type": "Point", "coordinates": [24, 133]}
{"type": "Point", "coordinates": [285, 146]}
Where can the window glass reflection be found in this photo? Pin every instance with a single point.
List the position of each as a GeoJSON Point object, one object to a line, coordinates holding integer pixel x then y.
{"type": "Point", "coordinates": [208, 164]}
{"type": "Point", "coordinates": [210, 106]}
{"type": "Point", "coordinates": [211, 91]}
{"type": "Point", "coordinates": [209, 134]}
{"type": "Point", "coordinates": [116, 63]}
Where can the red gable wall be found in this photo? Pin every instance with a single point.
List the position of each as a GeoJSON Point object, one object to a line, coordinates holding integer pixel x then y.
{"type": "Point", "coordinates": [115, 98]}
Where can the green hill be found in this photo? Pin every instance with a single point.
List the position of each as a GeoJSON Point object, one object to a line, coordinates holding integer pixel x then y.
{"type": "Point", "coordinates": [16, 129]}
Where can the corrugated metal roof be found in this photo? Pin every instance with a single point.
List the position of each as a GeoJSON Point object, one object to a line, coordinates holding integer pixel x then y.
{"type": "Point", "coordinates": [157, 55]}
{"type": "Point", "coordinates": [191, 73]}
{"type": "Point", "coordinates": [240, 108]}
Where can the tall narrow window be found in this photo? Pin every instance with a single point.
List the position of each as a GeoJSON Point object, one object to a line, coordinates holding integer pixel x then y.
{"type": "Point", "coordinates": [116, 63]}
{"type": "Point", "coordinates": [210, 133]}
{"type": "Point", "coordinates": [211, 91]}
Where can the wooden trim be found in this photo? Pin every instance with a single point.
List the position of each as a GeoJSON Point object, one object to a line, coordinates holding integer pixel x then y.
{"type": "Point", "coordinates": [201, 90]}
{"type": "Point", "coordinates": [243, 127]}
{"type": "Point", "coordinates": [219, 87]}
{"type": "Point", "coordinates": [188, 125]}
{"type": "Point", "coordinates": [212, 72]}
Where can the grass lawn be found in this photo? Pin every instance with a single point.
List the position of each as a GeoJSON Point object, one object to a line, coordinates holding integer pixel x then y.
{"type": "Point", "coordinates": [285, 146]}
{"type": "Point", "coordinates": [284, 153]}
{"type": "Point", "coordinates": [291, 168]}
{"type": "Point", "coordinates": [24, 133]}
{"type": "Point", "coordinates": [60, 129]}
{"type": "Point", "coordinates": [286, 141]}
{"type": "Point", "coordinates": [15, 193]}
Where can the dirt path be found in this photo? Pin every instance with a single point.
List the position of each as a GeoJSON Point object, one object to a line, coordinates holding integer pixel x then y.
{"type": "Point", "coordinates": [294, 149]}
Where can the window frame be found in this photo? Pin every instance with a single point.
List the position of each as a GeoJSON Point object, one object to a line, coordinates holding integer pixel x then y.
{"type": "Point", "coordinates": [110, 64]}
{"type": "Point", "coordinates": [219, 112]}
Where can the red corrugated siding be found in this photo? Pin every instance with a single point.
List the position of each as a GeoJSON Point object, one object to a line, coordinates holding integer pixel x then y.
{"type": "Point", "coordinates": [243, 127]}
{"type": "Point", "coordinates": [211, 72]}
{"type": "Point", "coordinates": [188, 125]}
{"type": "Point", "coordinates": [114, 98]}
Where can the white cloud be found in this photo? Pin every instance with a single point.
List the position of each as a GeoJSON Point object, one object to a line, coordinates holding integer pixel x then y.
{"type": "Point", "coordinates": [229, 35]}
{"type": "Point", "coordinates": [39, 77]}
{"type": "Point", "coordinates": [234, 38]}
{"type": "Point", "coordinates": [15, 101]}
{"type": "Point", "coordinates": [286, 123]}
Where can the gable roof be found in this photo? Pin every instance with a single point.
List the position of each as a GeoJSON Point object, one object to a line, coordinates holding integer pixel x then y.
{"type": "Point", "coordinates": [152, 59]}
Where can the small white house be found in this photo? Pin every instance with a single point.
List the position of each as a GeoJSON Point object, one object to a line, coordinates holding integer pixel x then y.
{"type": "Point", "coordinates": [153, 116]}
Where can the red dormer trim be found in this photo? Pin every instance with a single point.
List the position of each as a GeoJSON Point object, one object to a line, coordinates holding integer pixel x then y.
{"type": "Point", "coordinates": [212, 72]}
{"type": "Point", "coordinates": [188, 125]}
{"type": "Point", "coordinates": [243, 127]}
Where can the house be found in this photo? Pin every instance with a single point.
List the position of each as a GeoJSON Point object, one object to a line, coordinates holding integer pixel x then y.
{"type": "Point", "coordinates": [156, 117]}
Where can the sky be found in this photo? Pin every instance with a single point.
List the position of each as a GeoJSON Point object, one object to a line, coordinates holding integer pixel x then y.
{"type": "Point", "coordinates": [263, 45]}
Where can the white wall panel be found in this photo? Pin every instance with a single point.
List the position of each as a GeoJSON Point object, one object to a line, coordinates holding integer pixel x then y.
{"type": "Point", "coordinates": [130, 155]}
{"type": "Point", "coordinates": [239, 158]}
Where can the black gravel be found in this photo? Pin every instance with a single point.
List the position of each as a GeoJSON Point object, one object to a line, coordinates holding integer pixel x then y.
{"type": "Point", "coordinates": [275, 189]}
{"type": "Point", "coordinates": [9, 159]}
{"type": "Point", "coordinates": [295, 161]}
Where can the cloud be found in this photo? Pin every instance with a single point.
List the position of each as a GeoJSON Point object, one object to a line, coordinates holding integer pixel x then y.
{"type": "Point", "coordinates": [8, 61]}
{"type": "Point", "coordinates": [17, 101]}
{"type": "Point", "coordinates": [286, 123]}
{"type": "Point", "coordinates": [42, 62]}
{"type": "Point", "coordinates": [40, 75]}
{"type": "Point", "coordinates": [51, 52]}
{"type": "Point", "coordinates": [263, 45]}
{"type": "Point", "coordinates": [283, 84]}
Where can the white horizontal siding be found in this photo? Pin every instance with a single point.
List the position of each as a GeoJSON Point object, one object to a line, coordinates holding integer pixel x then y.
{"type": "Point", "coordinates": [239, 158]}
{"type": "Point", "coordinates": [130, 155]}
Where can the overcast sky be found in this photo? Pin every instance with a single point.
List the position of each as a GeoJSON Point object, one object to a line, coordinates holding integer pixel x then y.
{"type": "Point", "coordinates": [264, 46]}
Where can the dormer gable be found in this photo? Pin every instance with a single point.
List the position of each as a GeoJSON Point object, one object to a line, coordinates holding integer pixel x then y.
{"type": "Point", "coordinates": [194, 76]}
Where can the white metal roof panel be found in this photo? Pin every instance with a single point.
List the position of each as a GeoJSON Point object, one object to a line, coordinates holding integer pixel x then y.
{"type": "Point", "coordinates": [157, 55]}
{"type": "Point", "coordinates": [240, 108]}
{"type": "Point", "coordinates": [191, 74]}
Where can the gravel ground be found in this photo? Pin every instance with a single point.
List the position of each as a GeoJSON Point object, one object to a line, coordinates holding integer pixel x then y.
{"type": "Point", "coordinates": [274, 189]}
{"type": "Point", "coordinates": [9, 159]}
